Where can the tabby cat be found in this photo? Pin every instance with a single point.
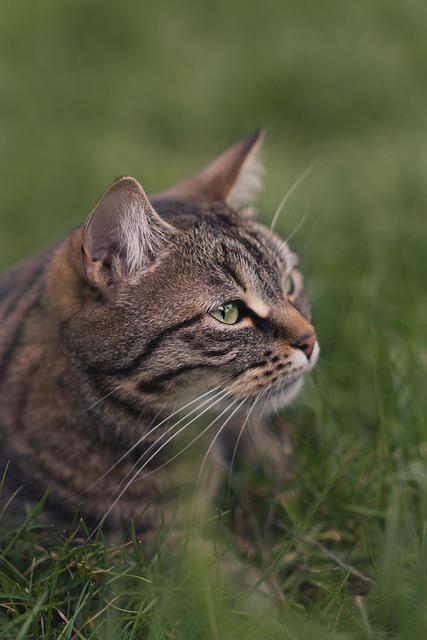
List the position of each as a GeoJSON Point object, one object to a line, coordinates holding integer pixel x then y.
{"type": "Point", "coordinates": [151, 313]}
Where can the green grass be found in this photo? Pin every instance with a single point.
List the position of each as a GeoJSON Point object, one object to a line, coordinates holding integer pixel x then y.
{"type": "Point", "coordinates": [93, 90]}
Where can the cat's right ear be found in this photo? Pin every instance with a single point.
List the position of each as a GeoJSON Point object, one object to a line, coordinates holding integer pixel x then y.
{"type": "Point", "coordinates": [122, 235]}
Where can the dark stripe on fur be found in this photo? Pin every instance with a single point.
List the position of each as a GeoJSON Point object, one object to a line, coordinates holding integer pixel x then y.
{"type": "Point", "coordinates": [255, 254]}
{"type": "Point", "coordinates": [154, 343]}
{"type": "Point", "coordinates": [7, 356]}
{"type": "Point", "coordinates": [109, 400]}
{"type": "Point", "coordinates": [125, 404]}
{"type": "Point", "coordinates": [215, 353]}
{"type": "Point", "coordinates": [152, 385]}
{"type": "Point", "coordinates": [22, 291]}
{"type": "Point", "coordinates": [230, 270]}
{"type": "Point", "coordinates": [256, 365]}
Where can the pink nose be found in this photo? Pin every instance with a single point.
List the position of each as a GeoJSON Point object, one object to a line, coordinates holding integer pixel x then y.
{"type": "Point", "coordinates": [306, 344]}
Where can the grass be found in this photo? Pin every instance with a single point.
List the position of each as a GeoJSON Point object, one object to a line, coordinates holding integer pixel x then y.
{"type": "Point", "coordinates": [94, 90]}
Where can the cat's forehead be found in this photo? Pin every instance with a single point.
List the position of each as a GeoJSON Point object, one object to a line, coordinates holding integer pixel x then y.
{"type": "Point", "coordinates": [249, 243]}
{"type": "Point", "coordinates": [216, 224]}
{"type": "Point", "coordinates": [234, 258]}
{"type": "Point", "coordinates": [219, 241]}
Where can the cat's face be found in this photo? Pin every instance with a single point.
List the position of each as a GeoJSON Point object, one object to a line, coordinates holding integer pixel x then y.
{"type": "Point", "coordinates": [216, 303]}
{"type": "Point", "coordinates": [237, 289]}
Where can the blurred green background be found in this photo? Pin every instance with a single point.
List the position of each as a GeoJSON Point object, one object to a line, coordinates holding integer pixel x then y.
{"type": "Point", "coordinates": [90, 90]}
{"type": "Point", "coordinates": [93, 90]}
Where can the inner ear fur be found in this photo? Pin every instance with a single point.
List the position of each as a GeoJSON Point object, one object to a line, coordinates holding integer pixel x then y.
{"type": "Point", "coordinates": [122, 234]}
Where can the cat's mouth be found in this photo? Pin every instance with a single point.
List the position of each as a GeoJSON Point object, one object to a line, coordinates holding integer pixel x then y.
{"type": "Point", "coordinates": [286, 390]}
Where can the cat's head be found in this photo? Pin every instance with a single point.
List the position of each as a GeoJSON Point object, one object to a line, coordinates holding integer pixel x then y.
{"type": "Point", "coordinates": [187, 292]}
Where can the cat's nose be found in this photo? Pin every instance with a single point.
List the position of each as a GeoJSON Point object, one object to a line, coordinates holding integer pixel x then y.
{"type": "Point", "coordinates": [306, 344]}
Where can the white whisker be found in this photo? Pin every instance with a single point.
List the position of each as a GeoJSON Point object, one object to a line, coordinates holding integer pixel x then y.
{"type": "Point", "coordinates": [258, 397]}
{"type": "Point", "coordinates": [156, 452]}
{"type": "Point", "coordinates": [151, 431]}
{"type": "Point", "coordinates": [199, 435]}
{"type": "Point", "coordinates": [107, 395]}
{"type": "Point", "coordinates": [298, 226]}
{"type": "Point", "coordinates": [218, 397]}
{"type": "Point", "coordinates": [288, 194]}
{"type": "Point", "coordinates": [254, 428]}
{"type": "Point", "coordinates": [216, 437]}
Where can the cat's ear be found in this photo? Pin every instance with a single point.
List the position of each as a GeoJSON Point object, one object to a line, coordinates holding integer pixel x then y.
{"type": "Point", "coordinates": [234, 177]}
{"type": "Point", "coordinates": [122, 235]}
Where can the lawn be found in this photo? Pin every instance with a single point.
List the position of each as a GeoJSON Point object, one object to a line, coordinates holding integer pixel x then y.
{"type": "Point", "coordinates": [155, 89]}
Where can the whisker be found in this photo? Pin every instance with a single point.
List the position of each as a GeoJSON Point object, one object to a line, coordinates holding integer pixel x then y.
{"type": "Point", "coordinates": [298, 225]}
{"type": "Point", "coordinates": [151, 431]}
{"type": "Point", "coordinates": [138, 471]}
{"type": "Point", "coordinates": [199, 435]}
{"type": "Point", "coordinates": [253, 428]}
{"type": "Point", "coordinates": [154, 444]}
{"type": "Point", "coordinates": [217, 398]}
{"type": "Point", "coordinates": [107, 395]}
{"type": "Point", "coordinates": [258, 397]}
{"type": "Point", "coordinates": [112, 467]}
{"type": "Point", "coordinates": [216, 437]}
{"type": "Point", "coordinates": [288, 194]}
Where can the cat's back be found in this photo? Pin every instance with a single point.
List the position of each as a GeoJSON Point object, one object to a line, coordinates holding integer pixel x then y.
{"type": "Point", "coordinates": [20, 279]}
{"type": "Point", "coordinates": [20, 290]}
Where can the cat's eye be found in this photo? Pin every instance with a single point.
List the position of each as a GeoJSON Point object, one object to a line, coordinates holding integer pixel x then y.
{"type": "Point", "coordinates": [227, 313]}
{"type": "Point", "coordinates": [288, 285]}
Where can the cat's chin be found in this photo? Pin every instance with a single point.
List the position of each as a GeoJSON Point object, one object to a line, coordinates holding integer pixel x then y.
{"type": "Point", "coordinates": [285, 394]}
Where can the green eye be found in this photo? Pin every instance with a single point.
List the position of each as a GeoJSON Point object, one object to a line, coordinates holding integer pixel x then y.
{"type": "Point", "coordinates": [288, 285]}
{"type": "Point", "coordinates": [227, 313]}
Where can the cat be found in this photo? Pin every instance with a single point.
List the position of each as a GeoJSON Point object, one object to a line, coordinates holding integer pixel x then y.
{"type": "Point", "coordinates": [154, 311]}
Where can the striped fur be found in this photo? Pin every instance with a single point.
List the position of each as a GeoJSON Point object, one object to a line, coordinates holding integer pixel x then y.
{"type": "Point", "coordinates": [108, 347]}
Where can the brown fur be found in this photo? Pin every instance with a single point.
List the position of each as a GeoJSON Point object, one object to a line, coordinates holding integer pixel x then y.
{"type": "Point", "coordinates": [109, 332]}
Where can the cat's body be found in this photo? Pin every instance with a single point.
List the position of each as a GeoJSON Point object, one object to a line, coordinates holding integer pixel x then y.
{"type": "Point", "coordinates": [138, 312]}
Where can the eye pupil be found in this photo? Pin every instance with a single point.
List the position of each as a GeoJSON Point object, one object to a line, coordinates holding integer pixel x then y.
{"type": "Point", "coordinates": [226, 308]}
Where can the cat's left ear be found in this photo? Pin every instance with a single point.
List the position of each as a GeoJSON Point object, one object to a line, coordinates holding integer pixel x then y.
{"type": "Point", "coordinates": [234, 177]}
{"type": "Point", "coordinates": [122, 235]}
